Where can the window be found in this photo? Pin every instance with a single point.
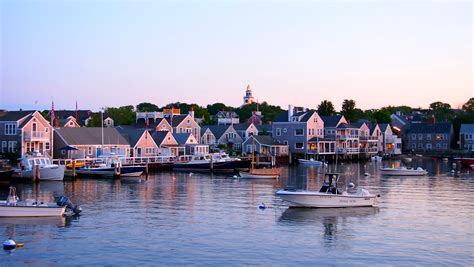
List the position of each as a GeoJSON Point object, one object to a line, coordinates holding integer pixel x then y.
{"type": "Point", "coordinates": [445, 146]}
{"type": "Point", "coordinates": [89, 150]}
{"type": "Point", "coordinates": [413, 137]}
{"type": "Point", "coordinates": [420, 145]}
{"type": "Point", "coordinates": [47, 146]}
{"type": "Point", "coordinates": [428, 137]}
{"type": "Point", "coordinates": [278, 131]}
{"type": "Point", "coordinates": [315, 119]}
{"type": "Point", "coordinates": [299, 145]}
{"type": "Point", "coordinates": [285, 130]}
{"type": "Point", "coordinates": [299, 132]}
{"type": "Point", "coordinates": [420, 136]}
{"type": "Point", "coordinates": [4, 146]}
{"type": "Point", "coordinates": [413, 145]}
{"type": "Point", "coordinates": [285, 142]}
{"type": "Point", "coordinates": [10, 128]}
{"type": "Point", "coordinates": [428, 147]}
{"type": "Point", "coordinates": [149, 150]}
{"type": "Point", "coordinates": [438, 145]}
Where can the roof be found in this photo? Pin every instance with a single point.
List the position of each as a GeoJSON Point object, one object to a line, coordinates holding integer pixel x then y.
{"type": "Point", "coordinates": [181, 138]}
{"type": "Point", "coordinates": [26, 120]}
{"type": "Point", "coordinates": [307, 116]}
{"type": "Point", "coordinates": [383, 126]}
{"type": "Point", "coordinates": [264, 127]}
{"type": "Point", "coordinates": [360, 122]}
{"type": "Point", "coordinates": [217, 130]}
{"type": "Point", "coordinates": [241, 126]}
{"type": "Point", "coordinates": [227, 114]}
{"type": "Point", "coordinates": [441, 127]}
{"type": "Point", "coordinates": [282, 117]}
{"type": "Point", "coordinates": [159, 136]}
{"type": "Point", "coordinates": [91, 136]}
{"type": "Point", "coordinates": [265, 140]}
{"type": "Point", "coordinates": [131, 134]}
{"type": "Point", "coordinates": [469, 128]}
{"type": "Point", "coordinates": [331, 121]}
{"type": "Point", "coordinates": [347, 126]}
{"type": "Point", "coordinates": [176, 119]}
{"type": "Point", "coordinates": [15, 115]}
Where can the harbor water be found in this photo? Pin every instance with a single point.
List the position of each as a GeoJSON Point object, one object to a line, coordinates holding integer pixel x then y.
{"type": "Point", "coordinates": [187, 219]}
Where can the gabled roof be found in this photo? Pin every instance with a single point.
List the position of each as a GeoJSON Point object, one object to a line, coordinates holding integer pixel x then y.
{"type": "Point", "coordinates": [307, 116]}
{"type": "Point", "coordinates": [15, 115]}
{"type": "Point", "coordinates": [176, 120]}
{"type": "Point", "coordinates": [159, 136]}
{"type": "Point", "coordinates": [133, 135]}
{"type": "Point", "coordinates": [442, 127]}
{"type": "Point", "coordinates": [241, 126]}
{"type": "Point", "coordinates": [467, 128]}
{"type": "Point", "coordinates": [264, 127]}
{"type": "Point", "coordinates": [347, 126]}
{"type": "Point", "coordinates": [181, 138]}
{"type": "Point", "coordinates": [372, 127]}
{"type": "Point", "coordinates": [218, 130]}
{"type": "Point", "coordinates": [331, 121]}
{"type": "Point", "coordinates": [264, 140]}
{"type": "Point", "coordinates": [360, 122]}
{"type": "Point", "coordinates": [91, 136]}
{"type": "Point", "coordinates": [26, 120]}
{"type": "Point", "coordinates": [383, 126]}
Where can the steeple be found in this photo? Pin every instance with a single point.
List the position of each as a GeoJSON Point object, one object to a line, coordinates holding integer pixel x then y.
{"type": "Point", "coordinates": [248, 98]}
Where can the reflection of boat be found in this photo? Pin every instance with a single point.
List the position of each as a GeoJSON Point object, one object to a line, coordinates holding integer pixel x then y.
{"type": "Point", "coordinates": [403, 171]}
{"type": "Point", "coordinates": [47, 171]}
{"type": "Point", "coordinates": [6, 170]}
{"type": "Point", "coordinates": [329, 196]}
{"type": "Point", "coordinates": [57, 220]}
{"type": "Point", "coordinates": [472, 166]}
{"type": "Point", "coordinates": [311, 215]}
{"type": "Point", "coordinates": [466, 161]}
{"type": "Point", "coordinates": [376, 158]}
{"type": "Point", "coordinates": [408, 160]}
{"type": "Point", "coordinates": [311, 162]}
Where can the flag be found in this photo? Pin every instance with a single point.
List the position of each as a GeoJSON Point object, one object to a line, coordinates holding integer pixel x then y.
{"type": "Point", "coordinates": [76, 112]}
{"type": "Point", "coordinates": [52, 113]}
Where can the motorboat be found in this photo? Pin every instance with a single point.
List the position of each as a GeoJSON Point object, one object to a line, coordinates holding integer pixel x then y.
{"type": "Point", "coordinates": [110, 167]}
{"type": "Point", "coordinates": [403, 171]}
{"type": "Point", "coordinates": [41, 168]}
{"type": "Point", "coordinates": [329, 196]}
{"type": "Point", "coordinates": [13, 207]}
{"type": "Point", "coordinates": [212, 163]}
{"type": "Point", "coordinates": [376, 158]}
{"type": "Point", "coordinates": [312, 161]}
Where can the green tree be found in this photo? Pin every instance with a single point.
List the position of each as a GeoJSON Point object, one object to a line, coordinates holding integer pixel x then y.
{"type": "Point", "coordinates": [147, 107]}
{"type": "Point", "coordinates": [326, 108]}
{"type": "Point", "coordinates": [124, 115]}
{"type": "Point", "coordinates": [216, 107]}
{"type": "Point", "coordinates": [349, 110]}
{"type": "Point", "coordinates": [469, 106]}
{"type": "Point", "coordinates": [94, 121]}
{"type": "Point", "coordinates": [441, 111]}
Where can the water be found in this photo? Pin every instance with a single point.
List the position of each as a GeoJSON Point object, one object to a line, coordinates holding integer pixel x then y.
{"type": "Point", "coordinates": [178, 219]}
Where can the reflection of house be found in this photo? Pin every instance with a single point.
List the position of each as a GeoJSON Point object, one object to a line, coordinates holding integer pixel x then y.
{"type": "Point", "coordinates": [295, 128]}
{"type": "Point", "coordinates": [429, 136]}
{"type": "Point", "coordinates": [141, 141]}
{"type": "Point", "coordinates": [227, 117]}
{"type": "Point", "coordinates": [264, 145]}
{"type": "Point", "coordinates": [25, 132]}
{"type": "Point", "coordinates": [89, 142]}
{"type": "Point", "coordinates": [466, 137]}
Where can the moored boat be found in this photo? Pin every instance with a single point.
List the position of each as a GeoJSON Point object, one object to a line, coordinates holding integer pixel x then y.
{"type": "Point", "coordinates": [41, 168]}
{"type": "Point", "coordinates": [403, 171]}
{"type": "Point", "coordinates": [6, 171]}
{"type": "Point", "coordinates": [212, 163]}
{"type": "Point", "coordinates": [111, 167]}
{"type": "Point", "coordinates": [329, 196]}
{"type": "Point", "coordinates": [272, 173]}
{"type": "Point", "coordinates": [311, 162]}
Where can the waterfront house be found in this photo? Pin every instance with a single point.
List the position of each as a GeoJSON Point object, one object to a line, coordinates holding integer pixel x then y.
{"type": "Point", "coordinates": [368, 144]}
{"type": "Point", "coordinates": [89, 142]}
{"type": "Point", "coordinates": [23, 132]}
{"type": "Point", "coordinates": [296, 127]}
{"type": "Point", "coordinates": [207, 137]}
{"type": "Point", "coordinates": [264, 145]}
{"type": "Point", "coordinates": [347, 139]}
{"type": "Point", "coordinates": [189, 145]}
{"type": "Point", "coordinates": [392, 144]}
{"type": "Point", "coordinates": [69, 122]}
{"type": "Point", "coordinates": [331, 123]}
{"type": "Point", "coordinates": [376, 133]}
{"type": "Point", "coordinates": [425, 137]}
{"type": "Point", "coordinates": [141, 142]}
{"type": "Point", "coordinates": [185, 123]}
{"type": "Point", "coordinates": [166, 143]}
{"type": "Point", "coordinates": [264, 129]}
{"type": "Point", "coordinates": [227, 117]}
{"type": "Point", "coordinates": [245, 130]}
{"type": "Point", "coordinates": [65, 116]}
{"type": "Point", "coordinates": [225, 135]}
{"type": "Point", "coordinates": [466, 137]}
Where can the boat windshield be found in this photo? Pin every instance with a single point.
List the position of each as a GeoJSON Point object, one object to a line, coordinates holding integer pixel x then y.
{"type": "Point", "coordinates": [43, 162]}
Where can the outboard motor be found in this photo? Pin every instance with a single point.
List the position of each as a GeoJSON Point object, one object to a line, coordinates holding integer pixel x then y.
{"type": "Point", "coordinates": [64, 201]}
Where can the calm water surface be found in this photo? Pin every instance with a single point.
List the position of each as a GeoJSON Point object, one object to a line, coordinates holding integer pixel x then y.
{"type": "Point", "coordinates": [177, 218]}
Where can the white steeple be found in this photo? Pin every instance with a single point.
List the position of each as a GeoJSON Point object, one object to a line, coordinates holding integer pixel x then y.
{"type": "Point", "coordinates": [248, 98]}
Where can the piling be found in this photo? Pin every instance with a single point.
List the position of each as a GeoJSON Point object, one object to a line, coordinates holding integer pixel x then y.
{"type": "Point", "coordinates": [146, 172]}
{"type": "Point", "coordinates": [74, 168]}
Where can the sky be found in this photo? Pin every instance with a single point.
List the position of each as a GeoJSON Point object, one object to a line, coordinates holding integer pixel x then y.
{"type": "Point", "coordinates": [111, 53]}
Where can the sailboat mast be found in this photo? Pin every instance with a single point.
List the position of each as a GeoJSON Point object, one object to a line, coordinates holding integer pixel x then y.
{"type": "Point", "coordinates": [253, 149]}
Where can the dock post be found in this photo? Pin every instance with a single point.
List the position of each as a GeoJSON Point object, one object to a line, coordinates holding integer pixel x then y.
{"type": "Point", "coordinates": [37, 173]}
{"type": "Point", "coordinates": [74, 168]}
{"type": "Point", "coordinates": [34, 172]}
{"type": "Point", "coordinates": [146, 171]}
{"type": "Point", "coordinates": [212, 164]}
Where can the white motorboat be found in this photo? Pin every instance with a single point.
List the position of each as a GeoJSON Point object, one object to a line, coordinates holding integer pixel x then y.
{"type": "Point", "coordinates": [472, 166]}
{"type": "Point", "coordinates": [329, 196]}
{"type": "Point", "coordinates": [47, 171]}
{"type": "Point", "coordinates": [12, 207]}
{"type": "Point", "coordinates": [403, 171]}
{"type": "Point", "coordinates": [376, 158]}
{"type": "Point", "coordinates": [312, 162]}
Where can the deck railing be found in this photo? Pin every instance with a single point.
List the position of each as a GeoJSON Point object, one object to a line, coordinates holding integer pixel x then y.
{"type": "Point", "coordinates": [36, 136]}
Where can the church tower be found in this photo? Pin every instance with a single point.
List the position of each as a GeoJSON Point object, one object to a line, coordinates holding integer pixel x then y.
{"type": "Point", "coordinates": [248, 98]}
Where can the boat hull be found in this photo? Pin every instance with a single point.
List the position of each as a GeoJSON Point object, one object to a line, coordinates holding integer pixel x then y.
{"type": "Point", "coordinates": [305, 199]}
{"type": "Point", "coordinates": [311, 162]}
{"type": "Point", "coordinates": [55, 173]}
{"type": "Point", "coordinates": [248, 175]}
{"type": "Point", "coordinates": [129, 171]}
{"type": "Point", "coordinates": [33, 211]}
{"type": "Point", "coordinates": [6, 175]}
{"type": "Point", "coordinates": [403, 172]}
{"type": "Point", "coordinates": [224, 166]}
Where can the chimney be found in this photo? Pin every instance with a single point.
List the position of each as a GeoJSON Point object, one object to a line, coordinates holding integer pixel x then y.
{"type": "Point", "coordinates": [290, 112]}
{"type": "Point", "coordinates": [191, 112]}
{"type": "Point", "coordinates": [432, 120]}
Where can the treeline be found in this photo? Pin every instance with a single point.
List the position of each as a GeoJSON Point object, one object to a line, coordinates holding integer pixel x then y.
{"type": "Point", "coordinates": [125, 115]}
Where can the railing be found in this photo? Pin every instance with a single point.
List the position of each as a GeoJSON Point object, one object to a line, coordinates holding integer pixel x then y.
{"type": "Point", "coordinates": [348, 150]}
{"type": "Point", "coordinates": [347, 136]}
{"type": "Point", "coordinates": [368, 138]}
{"type": "Point", "coordinates": [369, 150]}
{"type": "Point", "coordinates": [124, 160]}
{"type": "Point", "coordinates": [36, 136]}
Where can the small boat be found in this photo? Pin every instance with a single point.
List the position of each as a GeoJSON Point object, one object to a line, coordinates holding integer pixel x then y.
{"type": "Point", "coordinates": [214, 163]}
{"type": "Point", "coordinates": [312, 162]}
{"type": "Point", "coordinates": [419, 155]}
{"type": "Point", "coordinates": [47, 171]}
{"type": "Point", "coordinates": [329, 196]}
{"type": "Point", "coordinates": [403, 171]}
{"type": "Point", "coordinates": [376, 158]}
{"type": "Point", "coordinates": [13, 207]}
{"type": "Point", "coordinates": [110, 167]}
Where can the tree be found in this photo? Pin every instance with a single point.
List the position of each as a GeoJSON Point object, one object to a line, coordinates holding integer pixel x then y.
{"type": "Point", "coordinates": [216, 107]}
{"type": "Point", "coordinates": [94, 121]}
{"type": "Point", "coordinates": [441, 111]}
{"type": "Point", "coordinates": [326, 108]}
{"type": "Point", "coordinates": [124, 115]}
{"type": "Point", "coordinates": [469, 106]}
{"type": "Point", "coordinates": [348, 109]}
{"type": "Point", "coordinates": [147, 107]}
{"type": "Point", "coordinates": [382, 116]}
